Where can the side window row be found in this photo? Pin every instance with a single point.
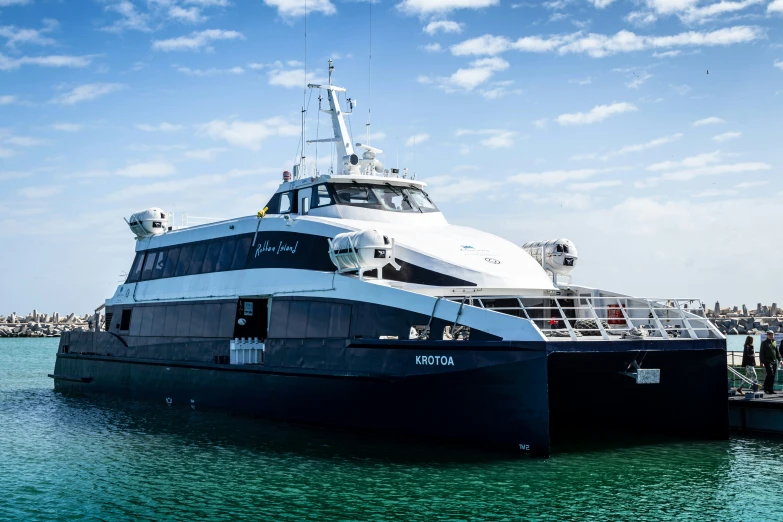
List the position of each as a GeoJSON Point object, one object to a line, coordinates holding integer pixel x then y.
{"type": "Point", "coordinates": [203, 257]}
{"type": "Point", "coordinates": [295, 201]}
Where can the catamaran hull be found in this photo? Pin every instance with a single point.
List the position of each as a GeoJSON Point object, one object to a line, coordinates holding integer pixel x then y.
{"type": "Point", "coordinates": [510, 398]}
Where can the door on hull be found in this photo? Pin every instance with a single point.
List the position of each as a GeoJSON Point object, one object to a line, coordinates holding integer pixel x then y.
{"type": "Point", "coordinates": [251, 319]}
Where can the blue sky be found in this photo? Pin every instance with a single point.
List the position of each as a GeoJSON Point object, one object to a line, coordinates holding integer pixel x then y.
{"type": "Point", "coordinates": [594, 120]}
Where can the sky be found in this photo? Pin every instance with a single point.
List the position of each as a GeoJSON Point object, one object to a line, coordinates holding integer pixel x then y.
{"type": "Point", "coordinates": [648, 132]}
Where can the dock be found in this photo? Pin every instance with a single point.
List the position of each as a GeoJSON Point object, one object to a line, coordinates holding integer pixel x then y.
{"type": "Point", "coordinates": [763, 415]}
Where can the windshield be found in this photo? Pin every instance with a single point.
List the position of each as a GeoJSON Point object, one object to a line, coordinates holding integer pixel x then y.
{"type": "Point", "coordinates": [384, 197]}
{"type": "Point", "coordinates": [422, 200]}
{"type": "Point", "coordinates": [359, 195]}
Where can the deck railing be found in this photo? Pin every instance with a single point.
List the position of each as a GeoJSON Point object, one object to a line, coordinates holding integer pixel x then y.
{"type": "Point", "coordinates": [585, 317]}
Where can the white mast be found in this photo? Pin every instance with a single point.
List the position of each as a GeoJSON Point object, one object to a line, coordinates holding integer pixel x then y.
{"type": "Point", "coordinates": [341, 136]}
{"type": "Point", "coordinates": [351, 162]}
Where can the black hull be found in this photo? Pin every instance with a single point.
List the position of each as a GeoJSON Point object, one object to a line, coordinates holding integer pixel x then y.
{"type": "Point", "coordinates": [504, 395]}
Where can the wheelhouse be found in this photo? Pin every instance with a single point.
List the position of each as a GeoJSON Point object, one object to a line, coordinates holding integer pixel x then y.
{"type": "Point", "coordinates": [388, 195]}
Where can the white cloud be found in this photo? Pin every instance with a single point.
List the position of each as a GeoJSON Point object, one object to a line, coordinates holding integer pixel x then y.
{"type": "Point", "coordinates": [151, 169]}
{"type": "Point", "coordinates": [204, 154]}
{"type": "Point", "coordinates": [8, 64]}
{"type": "Point", "coordinates": [583, 81]}
{"type": "Point", "coordinates": [599, 45]}
{"type": "Point", "coordinates": [130, 18]}
{"type": "Point", "coordinates": [596, 114]}
{"type": "Point", "coordinates": [40, 192]}
{"type": "Point", "coordinates": [492, 138]}
{"type": "Point", "coordinates": [431, 7]}
{"type": "Point", "coordinates": [496, 90]}
{"type": "Point", "coordinates": [209, 72]}
{"type": "Point", "coordinates": [8, 3]}
{"type": "Point", "coordinates": [190, 15]}
{"type": "Point", "coordinates": [23, 141]}
{"type": "Point", "coordinates": [594, 185]}
{"type": "Point", "coordinates": [638, 80]}
{"type": "Point", "coordinates": [451, 188]}
{"type": "Point", "coordinates": [417, 139]}
{"type": "Point", "coordinates": [86, 92]}
{"type": "Point", "coordinates": [18, 35]}
{"type": "Point", "coordinates": [499, 140]}
{"type": "Point", "coordinates": [712, 120]}
{"type": "Point", "coordinates": [640, 18]}
{"type": "Point", "coordinates": [639, 147]}
{"type": "Point", "coordinates": [432, 48]}
{"type": "Point", "coordinates": [7, 153]}
{"type": "Point", "coordinates": [711, 170]}
{"type": "Point", "coordinates": [737, 190]}
{"type": "Point", "coordinates": [540, 124]}
{"type": "Point", "coordinates": [600, 4]}
{"type": "Point", "coordinates": [682, 90]}
{"type": "Point", "coordinates": [248, 134]}
{"type": "Point", "coordinates": [468, 78]}
{"type": "Point", "coordinates": [6, 175]}
{"type": "Point", "coordinates": [775, 7]}
{"type": "Point", "coordinates": [726, 136]}
{"type": "Point", "coordinates": [444, 26]}
{"type": "Point", "coordinates": [554, 177]}
{"type": "Point", "coordinates": [283, 77]}
{"type": "Point", "coordinates": [778, 63]}
{"type": "Point", "coordinates": [66, 127]}
{"type": "Point", "coordinates": [700, 160]}
{"type": "Point", "coordinates": [8, 99]}
{"type": "Point", "coordinates": [689, 11]}
{"type": "Point", "coordinates": [294, 8]}
{"type": "Point", "coordinates": [161, 127]}
{"type": "Point", "coordinates": [667, 54]}
{"type": "Point", "coordinates": [196, 40]}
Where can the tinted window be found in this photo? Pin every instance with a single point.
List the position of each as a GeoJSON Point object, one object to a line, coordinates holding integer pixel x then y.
{"type": "Point", "coordinates": [197, 258]}
{"type": "Point", "coordinates": [321, 196]}
{"type": "Point", "coordinates": [240, 255]}
{"type": "Point", "coordinates": [171, 262]}
{"type": "Point", "coordinates": [184, 260]}
{"type": "Point", "coordinates": [125, 320]}
{"type": "Point", "coordinates": [285, 202]}
{"type": "Point", "coordinates": [149, 263]}
{"type": "Point", "coordinates": [356, 195]}
{"type": "Point", "coordinates": [160, 263]}
{"type": "Point", "coordinates": [135, 271]}
{"type": "Point", "coordinates": [210, 260]}
{"type": "Point", "coordinates": [226, 255]}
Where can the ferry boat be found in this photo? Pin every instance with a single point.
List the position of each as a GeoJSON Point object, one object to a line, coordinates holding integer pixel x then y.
{"type": "Point", "coordinates": [349, 300]}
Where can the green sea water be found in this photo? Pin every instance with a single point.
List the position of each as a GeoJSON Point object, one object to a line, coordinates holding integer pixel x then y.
{"type": "Point", "coordinates": [76, 458]}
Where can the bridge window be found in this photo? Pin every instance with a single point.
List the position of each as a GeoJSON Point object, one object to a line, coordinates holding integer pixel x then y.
{"type": "Point", "coordinates": [321, 196]}
{"type": "Point", "coordinates": [135, 271]}
{"type": "Point", "coordinates": [285, 203]}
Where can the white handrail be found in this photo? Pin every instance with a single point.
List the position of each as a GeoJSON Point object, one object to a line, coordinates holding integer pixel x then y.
{"type": "Point", "coordinates": [589, 316]}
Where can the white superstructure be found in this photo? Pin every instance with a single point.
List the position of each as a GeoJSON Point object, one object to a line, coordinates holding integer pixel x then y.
{"type": "Point", "coordinates": [368, 234]}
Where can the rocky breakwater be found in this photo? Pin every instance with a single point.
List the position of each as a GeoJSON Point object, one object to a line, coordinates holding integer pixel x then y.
{"type": "Point", "coordinates": [741, 321]}
{"type": "Point", "coordinates": [44, 325]}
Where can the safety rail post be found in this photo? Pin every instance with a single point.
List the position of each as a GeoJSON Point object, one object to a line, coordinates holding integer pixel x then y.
{"type": "Point", "coordinates": [657, 320]}
{"type": "Point", "coordinates": [685, 321]}
{"type": "Point", "coordinates": [627, 318]}
{"type": "Point", "coordinates": [565, 320]}
{"type": "Point", "coordinates": [601, 329]}
{"type": "Point", "coordinates": [524, 310]}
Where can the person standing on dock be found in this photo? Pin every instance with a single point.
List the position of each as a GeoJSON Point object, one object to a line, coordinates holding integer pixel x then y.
{"type": "Point", "coordinates": [769, 356]}
{"type": "Point", "coordinates": [749, 360]}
